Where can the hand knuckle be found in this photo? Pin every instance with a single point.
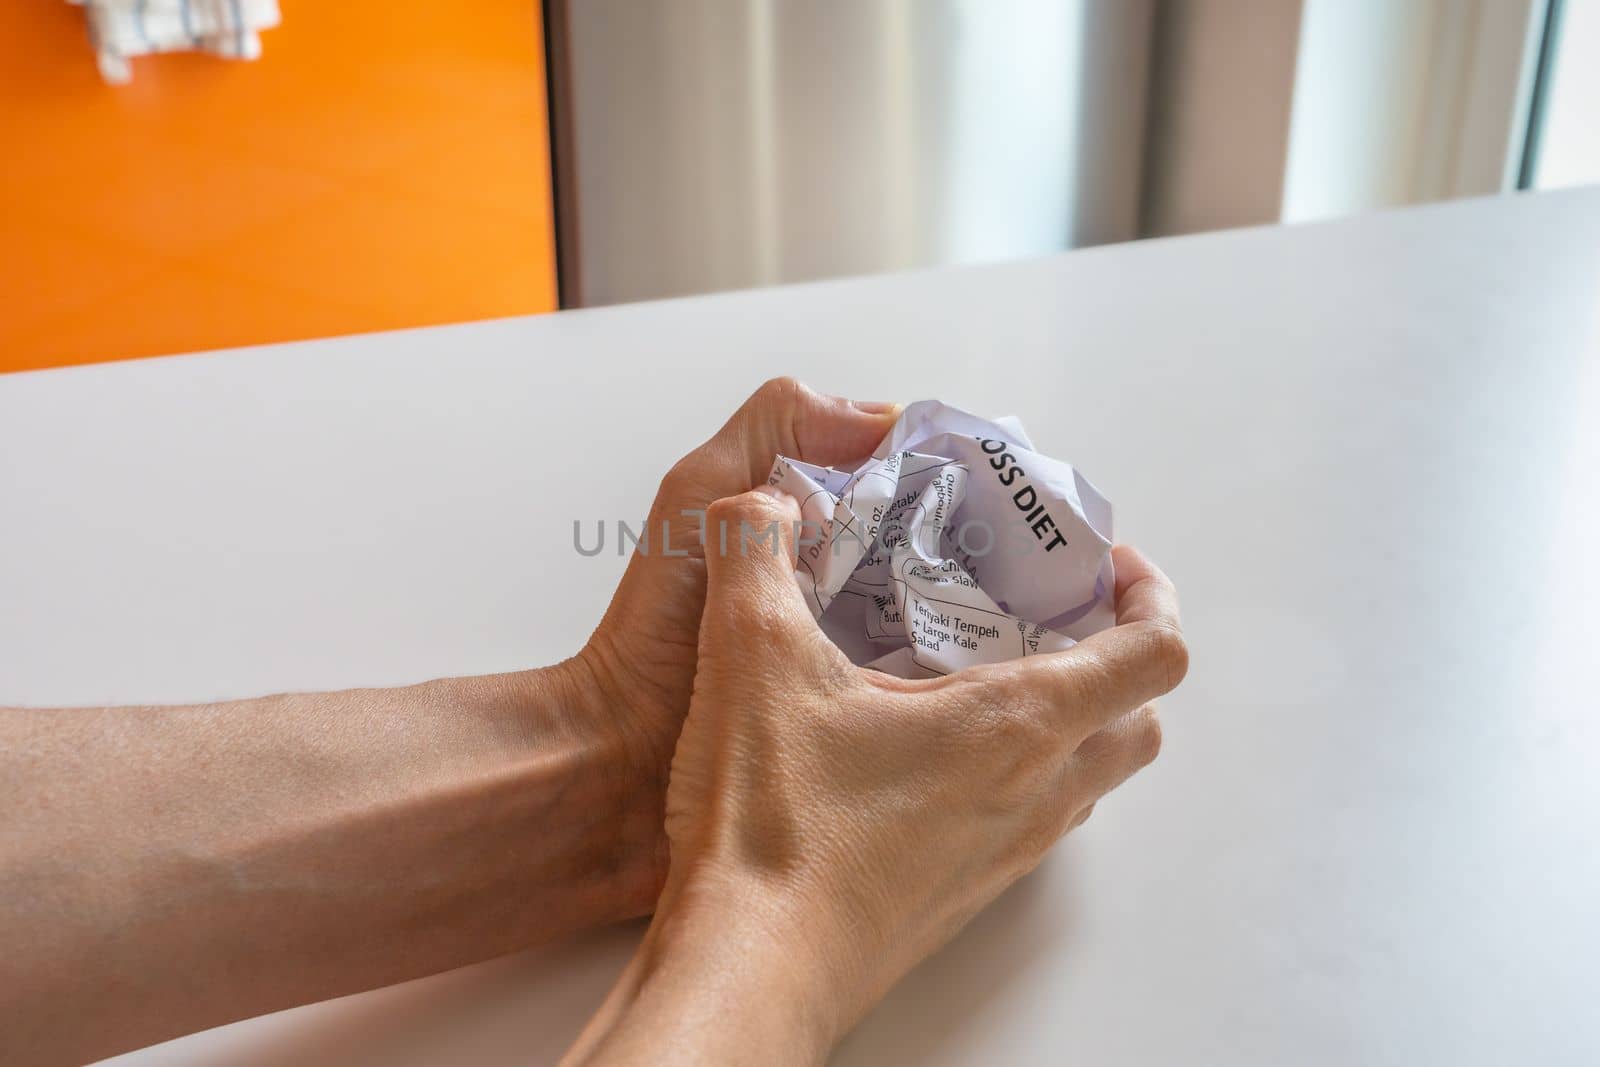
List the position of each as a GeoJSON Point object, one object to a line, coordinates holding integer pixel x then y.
{"type": "Point", "coordinates": [1045, 829]}
{"type": "Point", "coordinates": [990, 703]}
{"type": "Point", "coordinates": [1082, 693]}
{"type": "Point", "coordinates": [1146, 736]}
{"type": "Point", "coordinates": [722, 511]}
{"type": "Point", "coordinates": [751, 507]}
{"type": "Point", "coordinates": [1165, 646]}
{"type": "Point", "coordinates": [1074, 690]}
{"type": "Point", "coordinates": [776, 401]}
{"type": "Point", "coordinates": [681, 482]}
{"type": "Point", "coordinates": [759, 618]}
{"type": "Point", "coordinates": [1037, 693]}
{"type": "Point", "coordinates": [779, 391]}
{"type": "Point", "coordinates": [1019, 732]}
{"type": "Point", "coordinates": [984, 723]}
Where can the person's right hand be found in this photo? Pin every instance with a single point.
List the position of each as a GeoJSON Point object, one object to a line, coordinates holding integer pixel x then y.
{"type": "Point", "coordinates": [830, 826]}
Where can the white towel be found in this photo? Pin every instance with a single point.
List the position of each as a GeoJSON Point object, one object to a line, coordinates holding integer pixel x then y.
{"type": "Point", "coordinates": [123, 28]}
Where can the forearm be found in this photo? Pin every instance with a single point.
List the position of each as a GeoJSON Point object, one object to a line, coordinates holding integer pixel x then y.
{"type": "Point", "coordinates": [714, 985]}
{"type": "Point", "coordinates": [168, 869]}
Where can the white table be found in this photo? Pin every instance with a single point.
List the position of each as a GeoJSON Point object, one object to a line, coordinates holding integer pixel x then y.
{"type": "Point", "coordinates": [1366, 451]}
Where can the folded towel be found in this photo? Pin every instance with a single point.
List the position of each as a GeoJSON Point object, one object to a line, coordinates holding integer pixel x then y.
{"type": "Point", "coordinates": [123, 28]}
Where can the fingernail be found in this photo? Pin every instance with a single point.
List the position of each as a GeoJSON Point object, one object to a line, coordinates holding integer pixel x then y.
{"type": "Point", "coordinates": [875, 407]}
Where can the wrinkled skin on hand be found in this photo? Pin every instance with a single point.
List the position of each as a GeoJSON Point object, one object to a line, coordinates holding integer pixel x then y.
{"type": "Point", "coordinates": [865, 818]}
{"type": "Point", "coordinates": [640, 661]}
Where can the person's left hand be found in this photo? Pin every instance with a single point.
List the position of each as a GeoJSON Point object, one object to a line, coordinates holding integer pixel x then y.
{"type": "Point", "coordinates": [640, 661]}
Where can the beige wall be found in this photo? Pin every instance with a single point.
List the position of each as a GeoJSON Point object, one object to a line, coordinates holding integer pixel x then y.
{"type": "Point", "coordinates": [1218, 134]}
{"type": "Point", "coordinates": [1291, 110]}
{"type": "Point", "coordinates": [714, 144]}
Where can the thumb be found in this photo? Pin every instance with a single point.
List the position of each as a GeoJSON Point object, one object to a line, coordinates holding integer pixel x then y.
{"type": "Point", "coordinates": [786, 418]}
{"type": "Point", "coordinates": [751, 595]}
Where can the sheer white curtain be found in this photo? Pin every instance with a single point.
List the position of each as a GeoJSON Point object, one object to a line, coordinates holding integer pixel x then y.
{"type": "Point", "coordinates": [712, 144]}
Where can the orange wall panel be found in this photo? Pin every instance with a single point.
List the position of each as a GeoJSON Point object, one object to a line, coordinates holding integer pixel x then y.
{"type": "Point", "coordinates": [382, 165]}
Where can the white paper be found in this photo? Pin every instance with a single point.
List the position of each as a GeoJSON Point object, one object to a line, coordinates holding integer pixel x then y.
{"type": "Point", "coordinates": [954, 544]}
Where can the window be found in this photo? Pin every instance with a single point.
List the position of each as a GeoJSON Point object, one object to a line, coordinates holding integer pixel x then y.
{"type": "Point", "coordinates": [1564, 130]}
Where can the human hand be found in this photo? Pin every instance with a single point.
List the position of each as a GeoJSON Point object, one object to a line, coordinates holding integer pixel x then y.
{"type": "Point", "coordinates": [830, 826]}
{"type": "Point", "coordinates": [639, 664]}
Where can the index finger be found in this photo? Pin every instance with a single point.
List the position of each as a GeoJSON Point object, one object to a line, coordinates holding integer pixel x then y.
{"type": "Point", "coordinates": [784, 417]}
{"type": "Point", "coordinates": [1144, 655]}
{"type": "Point", "coordinates": [1144, 593]}
{"type": "Point", "coordinates": [1112, 672]}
